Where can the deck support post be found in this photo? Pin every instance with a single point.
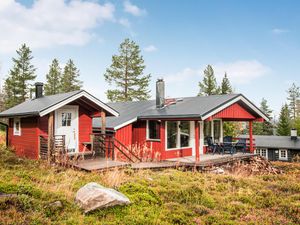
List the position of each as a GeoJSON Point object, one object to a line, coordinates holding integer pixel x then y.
{"type": "Point", "coordinates": [197, 141]}
{"type": "Point", "coordinates": [251, 136]}
{"type": "Point", "coordinates": [50, 136]}
{"type": "Point", "coordinates": [103, 129]}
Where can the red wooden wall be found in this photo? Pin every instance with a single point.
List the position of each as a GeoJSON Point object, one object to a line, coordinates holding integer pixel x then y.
{"type": "Point", "coordinates": [25, 145]}
{"type": "Point", "coordinates": [234, 112]}
{"type": "Point", "coordinates": [124, 135]}
{"type": "Point", "coordinates": [85, 127]}
{"type": "Point", "coordinates": [146, 148]}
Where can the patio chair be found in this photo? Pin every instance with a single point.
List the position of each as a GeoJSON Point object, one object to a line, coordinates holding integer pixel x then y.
{"type": "Point", "coordinates": [212, 147]}
{"type": "Point", "coordinates": [228, 146]}
{"type": "Point", "coordinates": [241, 145]}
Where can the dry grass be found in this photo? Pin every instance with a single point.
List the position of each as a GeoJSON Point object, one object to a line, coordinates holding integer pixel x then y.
{"type": "Point", "coordinates": [162, 197]}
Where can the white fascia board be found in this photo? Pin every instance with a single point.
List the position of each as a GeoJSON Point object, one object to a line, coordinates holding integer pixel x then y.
{"type": "Point", "coordinates": [73, 98]}
{"type": "Point", "coordinates": [239, 98]}
{"type": "Point", "coordinates": [125, 123]}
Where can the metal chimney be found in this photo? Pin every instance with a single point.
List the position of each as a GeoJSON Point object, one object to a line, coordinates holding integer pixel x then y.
{"type": "Point", "coordinates": [38, 89]}
{"type": "Point", "coordinates": [293, 134]}
{"type": "Point", "coordinates": [160, 93]}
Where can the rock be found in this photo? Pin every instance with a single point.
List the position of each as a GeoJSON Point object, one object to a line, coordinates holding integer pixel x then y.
{"type": "Point", "coordinates": [218, 170]}
{"type": "Point", "coordinates": [94, 196]}
{"type": "Point", "coordinates": [3, 195]}
{"type": "Point", "coordinates": [55, 205]}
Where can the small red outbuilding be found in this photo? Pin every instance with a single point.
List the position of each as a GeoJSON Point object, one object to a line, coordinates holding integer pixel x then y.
{"type": "Point", "coordinates": [68, 114]}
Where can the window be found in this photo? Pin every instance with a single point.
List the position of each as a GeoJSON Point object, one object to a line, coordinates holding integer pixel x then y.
{"type": "Point", "coordinates": [184, 133]}
{"type": "Point", "coordinates": [217, 130]}
{"type": "Point", "coordinates": [17, 126]}
{"type": "Point", "coordinates": [172, 134]}
{"type": "Point", "coordinates": [262, 152]}
{"type": "Point", "coordinates": [283, 154]}
{"type": "Point", "coordinates": [153, 130]}
{"type": "Point", "coordinates": [178, 134]}
{"type": "Point", "coordinates": [66, 119]}
{"type": "Point", "coordinates": [207, 131]}
{"type": "Point", "coordinates": [212, 129]}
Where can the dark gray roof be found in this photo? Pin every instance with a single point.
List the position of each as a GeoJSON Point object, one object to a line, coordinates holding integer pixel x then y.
{"type": "Point", "coordinates": [34, 107]}
{"type": "Point", "coordinates": [127, 111]}
{"type": "Point", "coordinates": [277, 142]}
{"type": "Point", "coordinates": [188, 107]}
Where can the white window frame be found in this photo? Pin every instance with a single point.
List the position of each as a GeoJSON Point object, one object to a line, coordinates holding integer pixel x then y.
{"type": "Point", "coordinates": [286, 154]}
{"type": "Point", "coordinates": [260, 150]}
{"type": "Point", "coordinates": [147, 132]}
{"type": "Point", "coordinates": [17, 132]}
{"type": "Point", "coordinates": [178, 136]}
{"type": "Point", "coordinates": [212, 130]}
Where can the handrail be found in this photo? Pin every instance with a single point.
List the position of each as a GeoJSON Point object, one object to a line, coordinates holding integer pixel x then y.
{"type": "Point", "coordinates": [118, 145]}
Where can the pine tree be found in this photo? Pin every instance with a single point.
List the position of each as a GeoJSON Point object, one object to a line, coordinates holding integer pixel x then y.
{"type": "Point", "coordinates": [70, 78]}
{"type": "Point", "coordinates": [293, 96]}
{"type": "Point", "coordinates": [225, 85]}
{"type": "Point", "coordinates": [17, 85]}
{"type": "Point", "coordinates": [297, 125]}
{"type": "Point", "coordinates": [266, 127]}
{"type": "Point", "coordinates": [209, 84]}
{"type": "Point", "coordinates": [284, 123]}
{"type": "Point", "coordinates": [53, 77]}
{"type": "Point", "coordinates": [126, 74]}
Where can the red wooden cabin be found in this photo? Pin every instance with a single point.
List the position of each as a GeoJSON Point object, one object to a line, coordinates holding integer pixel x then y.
{"type": "Point", "coordinates": [173, 128]}
{"type": "Point", "coordinates": [69, 115]}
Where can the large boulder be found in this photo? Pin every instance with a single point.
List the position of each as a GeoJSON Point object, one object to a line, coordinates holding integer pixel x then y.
{"type": "Point", "coordinates": [94, 196]}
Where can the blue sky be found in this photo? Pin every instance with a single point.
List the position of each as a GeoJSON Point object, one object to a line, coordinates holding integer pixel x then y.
{"type": "Point", "coordinates": [255, 42]}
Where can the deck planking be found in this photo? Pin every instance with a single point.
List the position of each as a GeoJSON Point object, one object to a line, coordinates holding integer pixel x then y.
{"type": "Point", "coordinates": [206, 160]}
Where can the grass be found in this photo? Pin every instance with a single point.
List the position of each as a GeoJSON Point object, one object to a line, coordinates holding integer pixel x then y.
{"type": "Point", "coordinates": [164, 197]}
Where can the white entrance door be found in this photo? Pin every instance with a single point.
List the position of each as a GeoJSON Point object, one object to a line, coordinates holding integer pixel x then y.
{"type": "Point", "coordinates": [66, 123]}
{"type": "Point", "coordinates": [201, 140]}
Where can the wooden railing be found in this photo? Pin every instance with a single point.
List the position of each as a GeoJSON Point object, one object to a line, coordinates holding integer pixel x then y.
{"type": "Point", "coordinates": [57, 146]}
{"type": "Point", "coordinates": [103, 145]}
{"type": "Point", "coordinates": [247, 142]}
{"type": "Point", "coordinates": [108, 145]}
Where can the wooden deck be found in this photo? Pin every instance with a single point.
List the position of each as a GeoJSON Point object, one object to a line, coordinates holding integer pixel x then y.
{"type": "Point", "coordinates": [99, 164]}
{"type": "Point", "coordinates": [206, 160]}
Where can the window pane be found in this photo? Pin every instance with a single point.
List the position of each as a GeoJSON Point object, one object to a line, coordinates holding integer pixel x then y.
{"type": "Point", "coordinates": [207, 130]}
{"type": "Point", "coordinates": [17, 126]}
{"type": "Point", "coordinates": [283, 154]}
{"type": "Point", "coordinates": [217, 130]}
{"type": "Point", "coordinates": [171, 134]}
{"type": "Point", "coordinates": [153, 129]}
{"type": "Point", "coordinates": [66, 119]}
{"type": "Point", "coordinates": [63, 119]}
{"type": "Point", "coordinates": [184, 134]}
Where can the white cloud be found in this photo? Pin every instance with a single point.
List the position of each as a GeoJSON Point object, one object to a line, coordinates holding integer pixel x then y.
{"type": "Point", "coordinates": [150, 48]}
{"type": "Point", "coordinates": [133, 9]}
{"type": "Point", "coordinates": [50, 22]}
{"type": "Point", "coordinates": [239, 72]}
{"type": "Point", "coordinates": [279, 31]}
{"type": "Point", "coordinates": [125, 22]}
{"type": "Point", "coordinates": [183, 75]}
{"type": "Point", "coordinates": [242, 71]}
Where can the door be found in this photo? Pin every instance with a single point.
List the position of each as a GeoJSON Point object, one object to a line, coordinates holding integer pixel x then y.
{"type": "Point", "coordinates": [66, 123]}
{"type": "Point", "coordinates": [201, 139]}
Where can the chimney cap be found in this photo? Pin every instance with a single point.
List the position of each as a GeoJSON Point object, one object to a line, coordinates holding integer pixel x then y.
{"type": "Point", "coordinates": [39, 84]}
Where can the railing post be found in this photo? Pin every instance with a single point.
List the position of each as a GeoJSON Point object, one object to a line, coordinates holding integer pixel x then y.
{"type": "Point", "coordinates": [251, 136]}
{"type": "Point", "coordinates": [50, 136]}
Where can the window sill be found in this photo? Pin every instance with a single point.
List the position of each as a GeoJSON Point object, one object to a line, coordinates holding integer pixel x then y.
{"type": "Point", "coordinates": [182, 148]}
{"type": "Point", "coordinates": [281, 159]}
{"type": "Point", "coordinates": [153, 140]}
